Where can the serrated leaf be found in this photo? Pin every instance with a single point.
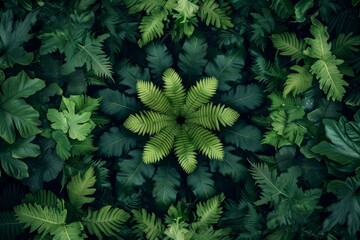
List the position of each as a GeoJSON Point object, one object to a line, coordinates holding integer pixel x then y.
{"type": "Point", "coordinates": [167, 182]}
{"type": "Point", "coordinates": [63, 145]}
{"type": "Point", "coordinates": [201, 182]}
{"type": "Point", "coordinates": [158, 58]}
{"type": "Point", "coordinates": [298, 82]}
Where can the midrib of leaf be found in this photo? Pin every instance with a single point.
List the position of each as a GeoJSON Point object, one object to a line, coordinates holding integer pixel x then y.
{"type": "Point", "coordinates": [236, 133]}
{"type": "Point", "coordinates": [240, 99]}
{"type": "Point", "coordinates": [132, 175]}
{"type": "Point", "coordinates": [67, 233]}
{"type": "Point", "coordinates": [227, 64]}
{"type": "Point", "coordinates": [202, 185]}
{"type": "Point", "coordinates": [165, 182]}
{"type": "Point", "coordinates": [322, 47]}
{"type": "Point", "coordinates": [105, 71]}
{"type": "Point", "coordinates": [120, 140]}
{"type": "Point", "coordinates": [123, 106]}
{"type": "Point", "coordinates": [333, 85]}
{"type": "Point", "coordinates": [268, 180]}
{"type": "Point", "coordinates": [192, 60]}
{"type": "Point", "coordinates": [41, 219]}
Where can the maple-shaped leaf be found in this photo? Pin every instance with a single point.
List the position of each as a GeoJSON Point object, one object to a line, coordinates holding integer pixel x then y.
{"type": "Point", "coordinates": [78, 126]}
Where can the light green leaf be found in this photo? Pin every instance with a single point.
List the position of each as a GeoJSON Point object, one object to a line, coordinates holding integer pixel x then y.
{"type": "Point", "coordinates": [63, 145]}
{"type": "Point", "coordinates": [298, 82]}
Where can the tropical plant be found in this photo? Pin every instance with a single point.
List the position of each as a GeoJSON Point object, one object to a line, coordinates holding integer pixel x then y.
{"type": "Point", "coordinates": [180, 120]}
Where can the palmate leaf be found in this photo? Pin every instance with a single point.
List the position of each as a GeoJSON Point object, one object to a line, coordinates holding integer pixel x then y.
{"type": "Point", "coordinates": [14, 111]}
{"type": "Point", "coordinates": [243, 97]}
{"type": "Point", "coordinates": [227, 68]}
{"type": "Point", "coordinates": [133, 171]}
{"type": "Point", "coordinates": [147, 224]}
{"type": "Point", "coordinates": [116, 142]}
{"type": "Point", "coordinates": [289, 45]}
{"type": "Point", "coordinates": [80, 187]}
{"type": "Point", "coordinates": [117, 104]}
{"type": "Point", "coordinates": [72, 231]}
{"type": "Point", "coordinates": [158, 58]}
{"type": "Point", "coordinates": [43, 219]}
{"type": "Point", "coordinates": [283, 8]}
{"type": "Point", "coordinates": [166, 184]}
{"type": "Point", "coordinates": [192, 58]}
{"type": "Point", "coordinates": [298, 82]}
{"type": "Point", "coordinates": [106, 221]}
{"type": "Point", "coordinates": [201, 182]}
{"type": "Point", "coordinates": [13, 36]}
{"type": "Point", "coordinates": [346, 209]}
{"type": "Point", "coordinates": [212, 14]}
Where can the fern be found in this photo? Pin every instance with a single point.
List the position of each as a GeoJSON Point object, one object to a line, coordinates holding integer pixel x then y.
{"type": "Point", "coordinates": [325, 68]}
{"type": "Point", "coordinates": [201, 182]}
{"type": "Point", "coordinates": [115, 142]}
{"type": "Point", "coordinates": [106, 221]}
{"type": "Point", "coordinates": [299, 82]}
{"type": "Point", "coordinates": [43, 219]}
{"type": "Point", "coordinates": [211, 13]}
{"type": "Point", "coordinates": [43, 198]}
{"type": "Point", "coordinates": [289, 45]}
{"type": "Point", "coordinates": [180, 119]}
{"type": "Point", "coordinates": [9, 227]}
{"type": "Point", "coordinates": [158, 58]}
{"type": "Point", "coordinates": [148, 224]}
{"type": "Point", "coordinates": [69, 232]}
{"type": "Point", "coordinates": [80, 187]}
{"type": "Point", "coordinates": [344, 46]}
{"type": "Point", "coordinates": [151, 27]}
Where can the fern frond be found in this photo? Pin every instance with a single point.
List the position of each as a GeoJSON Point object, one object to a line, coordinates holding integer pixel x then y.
{"type": "Point", "coordinates": [43, 198]}
{"type": "Point", "coordinates": [330, 78]}
{"type": "Point", "coordinates": [159, 59]}
{"type": "Point", "coordinates": [148, 122]}
{"type": "Point", "coordinates": [201, 182]}
{"type": "Point", "coordinates": [185, 151]}
{"type": "Point", "coordinates": [80, 187]}
{"type": "Point", "coordinates": [159, 145]}
{"type": "Point", "coordinates": [174, 90]}
{"type": "Point", "coordinates": [106, 221]}
{"type": "Point", "coordinates": [298, 82]}
{"type": "Point", "coordinates": [211, 13]}
{"type": "Point", "coordinates": [70, 231]}
{"type": "Point", "coordinates": [209, 212]}
{"type": "Point", "coordinates": [43, 219]}
{"type": "Point", "coordinates": [319, 47]}
{"type": "Point", "coordinates": [209, 116]}
{"type": "Point", "coordinates": [206, 141]}
{"type": "Point", "coordinates": [344, 46]}
{"type": "Point", "coordinates": [166, 185]}
{"type": "Point", "coordinates": [289, 45]}
{"type": "Point", "coordinates": [153, 97]}
{"type": "Point", "coordinates": [148, 6]}
{"type": "Point", "coordinates": [9, 227]}
{"type": "Point", "coordinates": [200, 94]}
{"type": "Point", "coordinates": [148, 224]}
{"type": "Point", "coordinates": [283, 8]}
{"type": "Point", "coordinates": [151, 27]}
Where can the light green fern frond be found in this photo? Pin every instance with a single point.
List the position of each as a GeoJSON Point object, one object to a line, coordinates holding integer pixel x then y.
{"type": "Point", "coordinates": [211, 13]}
{"type": "Point", "coordinates": [153, 97]}
{"type": "Point", "coordinates": [80, 187]}
{"type": "Point", "coordinates": [148, 224]}
{"type": "Point", "coordinates": [209, 212]}
{"type": "Point", "coordinates": [209, 116]}
{"type": "Point", "coordinates": [43, 198]}
{"type": "Point", "coordinates": [106, 221]}
{"type": "Point", "coordinates": [174, 90]}
{"type": "Point", "coordinates": [72, 231]}
{"type": "Point", "coordinates": [159, 145]}
{"type": "Point", "coordinates": [151, 27]}
{"type": "Point", "coordinates": [148, 122]}
{"type": "Point", "coordinates": [43, 219]}
{"type": "Point", "coordinates": [144, 5]}
{"type": "Point", "coordinates": [200, 94]}
{"type": "Point", "coordinates": [330, 78]}
{"type": "Point", "coordinates": [298, 82]}
{"type": "Point", "coordinates": [206, 141]}
{"type": "Point", "coordinates": [289, 45]}
{"type": "Point", "coordinates": [185, 151]}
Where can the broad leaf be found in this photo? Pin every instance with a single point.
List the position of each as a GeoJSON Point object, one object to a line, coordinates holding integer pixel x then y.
{"type": "Point", "coordinates": [14, 111]}
{"type": "Point", "coordinates": [158, 58]}
{"type": "Point", "coordinates": [116, 142]}
{"type": "Point", "coordinates": [167, 182]}
{"type": "Point", "coordinates": [201, 182]}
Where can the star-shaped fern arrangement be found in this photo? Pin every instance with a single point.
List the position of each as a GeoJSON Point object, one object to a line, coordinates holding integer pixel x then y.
{"type": "Point", "coordinates": [180, 120]}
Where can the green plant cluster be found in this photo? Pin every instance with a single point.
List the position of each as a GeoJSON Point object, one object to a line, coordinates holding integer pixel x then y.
{"type": "Point", "coordinates": [180, 119]}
